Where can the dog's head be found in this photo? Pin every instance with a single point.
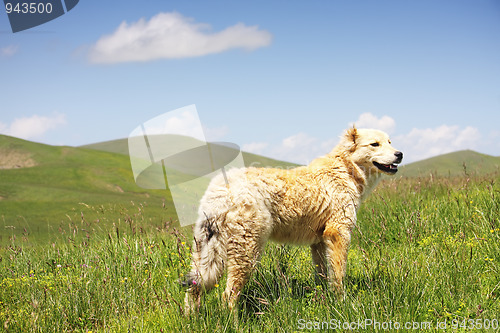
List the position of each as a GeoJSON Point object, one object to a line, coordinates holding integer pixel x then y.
{"type": "Point", "coordinates": [371, 150]}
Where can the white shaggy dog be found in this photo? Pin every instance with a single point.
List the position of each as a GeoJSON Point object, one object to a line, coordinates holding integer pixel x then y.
{"type": "Point", "coordinates": [314, 205]}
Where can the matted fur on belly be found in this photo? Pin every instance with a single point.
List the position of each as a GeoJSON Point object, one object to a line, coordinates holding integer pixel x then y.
{"type": "Point", "coordinates": [298, 234]}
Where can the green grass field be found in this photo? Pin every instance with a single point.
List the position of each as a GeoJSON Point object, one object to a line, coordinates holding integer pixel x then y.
{"type": "Point", "coordinates": [83, 249]}
{"type": "Point", "coordinates": [426, 253]}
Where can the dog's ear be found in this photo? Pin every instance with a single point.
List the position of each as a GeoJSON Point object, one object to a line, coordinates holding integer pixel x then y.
{"type": "Point", "coordinates": [349, 139]}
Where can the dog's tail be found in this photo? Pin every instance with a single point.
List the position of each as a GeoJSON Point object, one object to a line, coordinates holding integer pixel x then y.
{"type": "Point", "coordinates": [209, 256]}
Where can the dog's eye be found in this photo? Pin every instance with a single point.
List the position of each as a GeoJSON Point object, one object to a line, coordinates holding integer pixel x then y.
{"type": "Point", "coordinates": [375, 144]}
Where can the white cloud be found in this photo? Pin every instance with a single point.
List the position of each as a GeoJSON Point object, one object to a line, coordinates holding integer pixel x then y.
{"type": "Point", "coordinates": [368, 120]}
{"type": "Point", "coordinates": [34, 126]}
{"type": "Point", "coordinates": [424, 143]}
{"type": "Point", "coordinates": [9, 51]}
{"type": "Point", "coordinates": [171, 35]}
{"type": "Point", "coordinates": [297, 141]}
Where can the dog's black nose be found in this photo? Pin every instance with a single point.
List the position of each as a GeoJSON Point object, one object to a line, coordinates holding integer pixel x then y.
{"type": "Point", "coordinates": [399, 156]}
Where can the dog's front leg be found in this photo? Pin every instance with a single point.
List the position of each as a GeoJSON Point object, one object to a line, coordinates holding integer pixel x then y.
{"type": "Point", "coordinates": [337, 239]}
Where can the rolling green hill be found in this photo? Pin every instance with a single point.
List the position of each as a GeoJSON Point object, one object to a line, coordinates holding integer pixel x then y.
{"type": "Point", "coordinates": [452, 164]}
{"type": "Point", "coordinates": [51, 189]}
{"type": "Point", "coordinates": [120, 146]}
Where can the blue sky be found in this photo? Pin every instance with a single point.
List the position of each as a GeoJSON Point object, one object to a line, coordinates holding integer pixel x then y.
{"type": "Point", "coordinates": [279, 78]}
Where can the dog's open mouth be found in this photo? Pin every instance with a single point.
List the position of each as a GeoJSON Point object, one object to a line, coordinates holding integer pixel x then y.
{"type": "Point", "coordinates": [389, 168]}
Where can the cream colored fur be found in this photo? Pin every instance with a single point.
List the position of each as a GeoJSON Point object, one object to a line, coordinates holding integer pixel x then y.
{"type": "Point", "coordinates": [314, 205]}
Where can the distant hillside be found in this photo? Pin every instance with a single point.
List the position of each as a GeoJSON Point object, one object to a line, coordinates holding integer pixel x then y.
{"type": "Point", "coordinates": [120, 146]}
{"type": "Point", "coordinates": [48, 190]}
{"type": "Point", "coordinates": [66, 168]}
{"type": "Point", "coordinates": [452, 164]}
{"type": "Point", "coordinates": [113, 146]}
